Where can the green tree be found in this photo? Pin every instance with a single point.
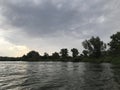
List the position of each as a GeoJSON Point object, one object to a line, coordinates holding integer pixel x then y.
{"type": "Point", "coordinates": [94, 46]}
{"type": "Point", "coordinates": [115, 44]}
{"type": "Point", "coordinates": [64, 53]}
{"type": "Point", "coordinates": [75, 52]}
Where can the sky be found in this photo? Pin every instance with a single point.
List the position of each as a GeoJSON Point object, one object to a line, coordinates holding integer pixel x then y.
{"type": "Point", "coordinates": [49, 25]}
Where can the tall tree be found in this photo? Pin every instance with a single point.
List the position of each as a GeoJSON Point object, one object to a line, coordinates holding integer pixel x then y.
{"type": "Point", "coordinates": [94, 46]}
{"type": "Point", "coordinates": [115, 44]}
{"type": "Point", "coordinates": [75, 52]}
{"type": "Point", "coordinates": [64, 53]}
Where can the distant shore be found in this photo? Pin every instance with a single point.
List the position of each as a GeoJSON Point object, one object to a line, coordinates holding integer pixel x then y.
{"type": "Point", "coordinates": [112, 60]}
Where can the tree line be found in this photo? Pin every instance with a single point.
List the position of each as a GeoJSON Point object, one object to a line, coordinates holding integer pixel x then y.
{"type": "Point", "coordinates": [94, 48]}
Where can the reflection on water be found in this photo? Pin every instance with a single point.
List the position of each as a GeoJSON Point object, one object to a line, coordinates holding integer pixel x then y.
{"type": "Point", "coordinates": [58, 76]}
{"type": "Point", "coordinates": [99, 77]}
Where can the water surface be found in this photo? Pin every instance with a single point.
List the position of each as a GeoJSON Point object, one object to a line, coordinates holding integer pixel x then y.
{"type": "Point", "coordinates": [58, 76]}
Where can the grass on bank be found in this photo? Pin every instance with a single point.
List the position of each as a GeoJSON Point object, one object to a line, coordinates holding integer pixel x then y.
{"type": "Point", "coordinates": [107, 59]}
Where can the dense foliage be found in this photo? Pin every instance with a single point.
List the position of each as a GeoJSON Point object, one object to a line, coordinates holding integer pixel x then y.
{"type": "Point", "coordinates": [115, 44]}
{"type": "Point", "coordinates": [94, 47]}
{"type": "Point", "coordinates": [75, 52]}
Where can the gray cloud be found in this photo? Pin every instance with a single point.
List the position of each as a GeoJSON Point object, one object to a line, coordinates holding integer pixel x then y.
{"type": "Point", "coordinates": [40, 19]}
{"type": "Point", "coordinates": [58, 23]}
{"type": "Point", "coordinates": [46, 17]}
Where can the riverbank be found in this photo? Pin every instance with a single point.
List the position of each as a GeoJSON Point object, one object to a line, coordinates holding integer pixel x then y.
{"type": "Point", "coordinates": [107, 59]}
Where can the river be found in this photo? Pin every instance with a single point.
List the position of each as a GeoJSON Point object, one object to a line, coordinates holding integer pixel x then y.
{"type": "Point", "coordinates": [58, 76]}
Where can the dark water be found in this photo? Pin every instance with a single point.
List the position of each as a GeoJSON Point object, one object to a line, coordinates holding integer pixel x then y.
{"type": "Point", "coordinates": [58, 76]}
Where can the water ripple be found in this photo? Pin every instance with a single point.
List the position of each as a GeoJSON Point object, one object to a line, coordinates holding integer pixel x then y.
{"type": "Point", "coordinates": [58, 76]}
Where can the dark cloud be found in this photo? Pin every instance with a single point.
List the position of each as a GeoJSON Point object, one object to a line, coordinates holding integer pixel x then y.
{"type": "Point", "coordinates": [50, 17]}
{"type": "Point", "coordinates": [40, 19]}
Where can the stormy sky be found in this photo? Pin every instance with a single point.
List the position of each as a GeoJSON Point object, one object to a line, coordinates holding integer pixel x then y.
{"type": "Point", "coordinates": [49, 25]}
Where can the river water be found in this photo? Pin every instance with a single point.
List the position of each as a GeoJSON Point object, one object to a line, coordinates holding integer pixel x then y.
{"type": "Point", "coordinates": [58, 76]}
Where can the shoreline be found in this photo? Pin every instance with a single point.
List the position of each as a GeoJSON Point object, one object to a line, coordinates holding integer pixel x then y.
{"type": "Point", "coordinates": [85, 60]}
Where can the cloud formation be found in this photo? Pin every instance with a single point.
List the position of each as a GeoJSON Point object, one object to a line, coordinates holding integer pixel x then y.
{"type": "Point", "coordinates": [52, 22]}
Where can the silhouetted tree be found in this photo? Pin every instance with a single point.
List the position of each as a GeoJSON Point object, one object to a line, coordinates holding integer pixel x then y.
{"type": "Point", "coordinates": [85, 53]}
{"type": "Point", "coordinates": [115, 44]}
{"type": "Point", "coordinates": [55, 55]}
{"type": "Point", "coordinates": [45, 56]}
{"type": "Point", "coordinates": [32, 54]}
{"type": "Point", "coordinates": [94, 46]}
{"type": "Point", "coordinates": [74, 52]}
{"type": "Point", "coordinates": [64, 53]}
